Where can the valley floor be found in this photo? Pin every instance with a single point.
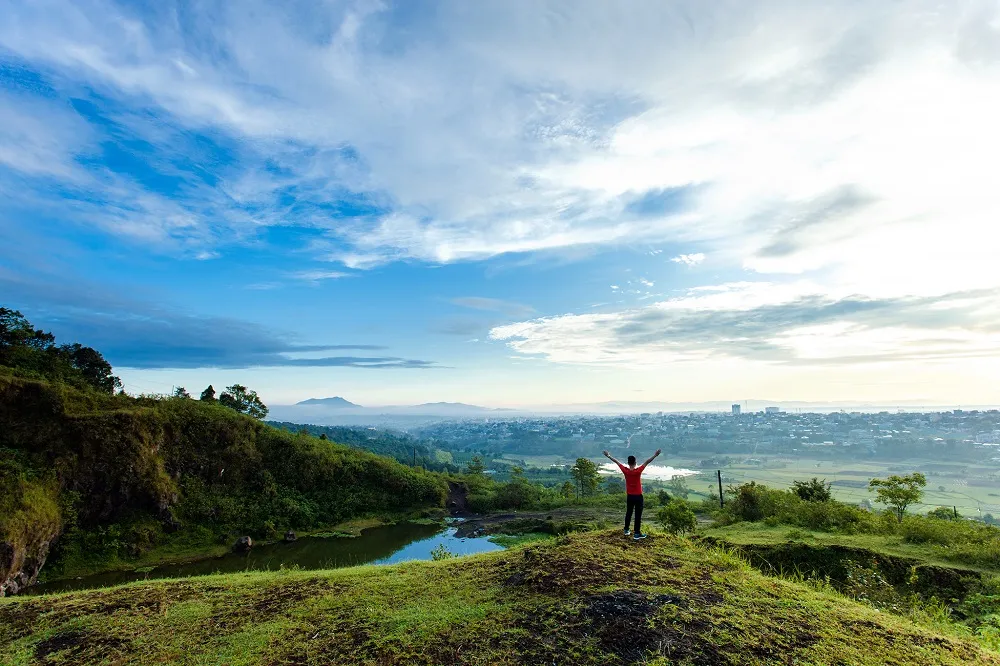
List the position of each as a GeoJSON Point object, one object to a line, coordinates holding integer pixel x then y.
{"type": "Point", "coordinates": [586, 598]}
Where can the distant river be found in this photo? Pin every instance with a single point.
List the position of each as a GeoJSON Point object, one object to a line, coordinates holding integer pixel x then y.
{"type": "Point", "coordinates": [652, 472]}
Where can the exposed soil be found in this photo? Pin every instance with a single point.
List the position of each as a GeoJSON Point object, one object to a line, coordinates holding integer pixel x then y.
{"type": "Point", "coordinates": [77, 647]}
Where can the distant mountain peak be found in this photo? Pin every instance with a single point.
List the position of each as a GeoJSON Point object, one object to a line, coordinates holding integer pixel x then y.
{"type": "Point", "coordinates": [335, 401]}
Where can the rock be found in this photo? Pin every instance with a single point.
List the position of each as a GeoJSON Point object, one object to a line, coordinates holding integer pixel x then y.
{"type": "Point", "coordinates": [243, 545]}
{"type": "Point", "coordinates": [19, 567]}
{"type": "Point", "coordinates": [290, 536]}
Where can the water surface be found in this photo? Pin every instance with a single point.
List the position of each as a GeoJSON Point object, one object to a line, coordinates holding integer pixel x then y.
{"type": "Point", "coordinates": [652, 472]}
{"type": "Point", "coordinates": [378, 545]}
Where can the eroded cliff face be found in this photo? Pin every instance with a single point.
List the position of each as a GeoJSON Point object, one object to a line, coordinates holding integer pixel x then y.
{"type": "Point", "coordinates": [21, 564]}
{"type": "Point", "coordinates": [94, 463]}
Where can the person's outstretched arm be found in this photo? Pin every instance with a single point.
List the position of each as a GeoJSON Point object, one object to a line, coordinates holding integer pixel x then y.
{"type": "Point", "coordinates": [652, 458]}
{"type": "Point", "coordinates": [615, 461]}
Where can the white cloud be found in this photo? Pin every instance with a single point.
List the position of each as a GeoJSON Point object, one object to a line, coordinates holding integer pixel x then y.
{"type": "Point", "coordinates": [790, 323]}
{"type": "Point", "coordinates": [689, 259]}
{"type": "Point", "coordinates": [317, 276]}
{"type": "Point", "coordinates": [855, 141]}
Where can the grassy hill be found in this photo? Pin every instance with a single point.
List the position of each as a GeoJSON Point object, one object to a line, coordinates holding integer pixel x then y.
{"type": "Point", "coordinates": [587, 598]}
{"type": "Point", "coordinates": [106, 479]}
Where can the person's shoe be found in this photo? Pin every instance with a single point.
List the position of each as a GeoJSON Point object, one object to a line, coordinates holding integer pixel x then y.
{"type": "Point", "coordinates": [638, 536]}
{"type": "Point", "coordinates": [627, 531]}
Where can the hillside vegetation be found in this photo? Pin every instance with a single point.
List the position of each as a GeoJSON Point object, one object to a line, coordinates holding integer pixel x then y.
{"type": "Point", "coordinates": [588, 598]}
{"type": "Point", "coordinates": [107, 478]}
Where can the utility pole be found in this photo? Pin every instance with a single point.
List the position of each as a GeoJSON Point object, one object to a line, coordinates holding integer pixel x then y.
{"type": "Point", "coordinates": [722, 502]}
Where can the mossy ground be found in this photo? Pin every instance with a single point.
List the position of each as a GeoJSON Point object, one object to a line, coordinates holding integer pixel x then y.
{"type": "Point", "coordinates": [586, 598]}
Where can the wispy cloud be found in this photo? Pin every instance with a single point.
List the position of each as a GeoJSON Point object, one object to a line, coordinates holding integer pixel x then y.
{"type": "Point", "coordinates": [137, 334]}
{"type": "Point", "coordinates": [426, 135]}
{"type": "Point", "coordinates": [689, 259]}
{"type": "Point", "coordinates": [494, 305]}
{"type": "Point", "coordinates": [790, 324]}
{"type": "Point", "coordinates": [317, 276]}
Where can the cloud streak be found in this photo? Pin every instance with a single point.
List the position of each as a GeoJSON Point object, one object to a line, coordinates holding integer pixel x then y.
{"type": "Point", "coordinates": [135, 334]}
{"type": "Point", "coordinates": [765, 322]}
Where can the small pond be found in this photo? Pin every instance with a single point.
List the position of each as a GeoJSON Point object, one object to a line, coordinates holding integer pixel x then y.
{"type": "Point", "coordinates": [378, 545]}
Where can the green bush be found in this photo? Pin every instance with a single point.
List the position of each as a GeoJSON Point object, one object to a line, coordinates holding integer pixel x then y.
{"type": "Point", "coordinates": [677, 517]}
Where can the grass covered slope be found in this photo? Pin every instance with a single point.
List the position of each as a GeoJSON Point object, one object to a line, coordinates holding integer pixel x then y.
{"type": "Point", "coordinates": [588, 598]}
{"type": "Point", "coordinates": [128, 475]}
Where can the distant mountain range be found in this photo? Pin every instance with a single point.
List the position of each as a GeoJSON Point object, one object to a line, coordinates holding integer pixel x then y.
{"type": "Point", "coordinates": [336, 402]}
{"type": "Point", "coordinates": [340, 411]}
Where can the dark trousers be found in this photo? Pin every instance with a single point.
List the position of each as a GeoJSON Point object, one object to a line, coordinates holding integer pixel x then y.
{"type": "Point", "coordinates": [634, 502]}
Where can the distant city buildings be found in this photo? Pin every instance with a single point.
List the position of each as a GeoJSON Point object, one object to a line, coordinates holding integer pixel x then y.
{"type": "Point", "coordinates": [736, 410]}
{"type": "Point", "coordinates": [772, 410]}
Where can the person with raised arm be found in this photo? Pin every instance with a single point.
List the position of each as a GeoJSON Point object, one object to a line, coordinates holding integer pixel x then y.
{"type": "Point", "coordinates": [633, 491]}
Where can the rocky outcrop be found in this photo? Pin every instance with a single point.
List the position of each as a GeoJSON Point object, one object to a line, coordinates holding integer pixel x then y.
{"type": "Point", "coordinates": [20, 565]}
{"type": "Point", "coordinates": [243, 545]}
{"type": "Point", "coordinates": [290, 536]}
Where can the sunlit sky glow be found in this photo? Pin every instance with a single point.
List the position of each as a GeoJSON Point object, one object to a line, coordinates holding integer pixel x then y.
{"type": "Point", "coordinates": [511, 203]}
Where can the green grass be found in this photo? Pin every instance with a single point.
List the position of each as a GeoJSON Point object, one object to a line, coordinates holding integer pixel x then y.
{"type": "Point", "coordinates": [761, 534]}
{"type": "Point", "coordinates": [514, 540]}
{"type": "Point", "coordinates": [588, 598]}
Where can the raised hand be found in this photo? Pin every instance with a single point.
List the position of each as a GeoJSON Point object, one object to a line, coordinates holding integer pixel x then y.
{"type": "Point", "coordinates": [658, 452]}
{"type": "Point", "coordinates": [606, 454]}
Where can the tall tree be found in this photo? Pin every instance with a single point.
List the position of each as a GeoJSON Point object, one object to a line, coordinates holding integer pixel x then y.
{"type": "Point", "coordinates": [898, 492]}
{"type": "Point", "coordinates": [475, 467]}
{"type": "Point", "coordinates": [91, 364]}
{"type": "Point", "coordinates": [208, 395]}
{"type": "Point", "coordinates": [586, 476]}
{"type": "Point", "coordinates": [243, 400]}
{"type": "Point", "coordinates": [181, 392]}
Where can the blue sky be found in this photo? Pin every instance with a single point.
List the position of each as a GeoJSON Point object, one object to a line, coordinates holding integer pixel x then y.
{"type": "Point", "coordinates": [510, 203]}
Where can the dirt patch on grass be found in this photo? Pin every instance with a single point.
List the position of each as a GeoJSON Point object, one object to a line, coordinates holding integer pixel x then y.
{"type": "Point", "coordinates": [79, 647]}
{"type": "Point", "coordinates": [17, 621]}
{"type": "Point", "coordinates": [260, 605]}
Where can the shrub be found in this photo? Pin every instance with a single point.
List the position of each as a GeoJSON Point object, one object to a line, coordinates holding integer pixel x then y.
{"type": "Point", "coordinates": [944, 513]}
{"type": "Point", "coordinates": [813, 490]}
{"type": "Point", "coordinates": [677, 517]}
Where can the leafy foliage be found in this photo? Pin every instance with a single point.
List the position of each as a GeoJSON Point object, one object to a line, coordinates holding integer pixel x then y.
{"type": "Point", "coordinates": [677, 517]}
{"type": "Point", "coordinates": [475, 466]}
{"type": "Point", "coordinates": [898, 492]}
{"type": "Point", "coordinates": [585, 473]}
{"type": "Point", "coordinates": [813, 490]}
{"type": "Point", "coordinates": [34, 352]}
{"type": "Point", "coordinates": [244, 401]}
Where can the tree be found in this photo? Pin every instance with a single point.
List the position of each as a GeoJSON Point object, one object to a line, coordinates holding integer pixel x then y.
{"type": "Point", "coordinates": [567, 489]}
{"type": "Point", "coordinates": [181, 392]}
{"type": "Point", "coordinates": [944, 513]}
{"type": "Point", "coordinates": [243, 400]}
{"type": "Point", "coordinates": [898, 492]}
{"type": "Point", "coordinates": [208, 395]}
{"type": "Point", "coordinates": [679, 487]}
{"type": "Point", "coordinates": [614, 486]}
{"type": "Point", "coordinates": [677, 517]}
{"type": "Point", "coordinates": [475, 467]}
{"type": "Point", "coordinates": [24, 346]}
{"type": "Point", "coordinates": [586, 476]}
{"type": "Point", "coordinates": [91, 364]}
{"type": "Point", "coordinates": [813, 490]}
{"type": "Point", "coordinates": [663, 497]}
{"type": "Point", "coordinates": [17, 331]}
